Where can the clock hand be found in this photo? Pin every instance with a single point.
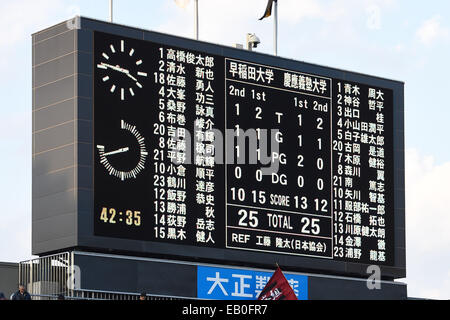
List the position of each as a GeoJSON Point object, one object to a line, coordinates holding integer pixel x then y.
{"type": "Point", "coordinates": [117, 151]}
{"type": "Point", "coordinates": [119, 69]}
{"type": "Point", "coordinates": [110, 66]}
{"type": "Point", "coordinates": [116, 68]}
{"type": "Point", "coordinates": [129, 75]}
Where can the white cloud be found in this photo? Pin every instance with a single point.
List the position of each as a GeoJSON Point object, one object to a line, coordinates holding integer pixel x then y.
{"type": "Point", "coordinates": [294, 11]}
{"type": "Point", "coordinates": [427, 226]}
{"type": "Point", "coordinates": [19, 18]}
{"type": "Point", "coordinates": [182, 3]}
{"type": "Point", "coordinates": [432, 30]}
{"type": "Point", "coordinates": [15, 187]}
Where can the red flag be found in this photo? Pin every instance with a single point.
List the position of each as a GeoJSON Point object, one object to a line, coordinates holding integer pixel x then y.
{"type": "Point", "coordinates": [278, 288]}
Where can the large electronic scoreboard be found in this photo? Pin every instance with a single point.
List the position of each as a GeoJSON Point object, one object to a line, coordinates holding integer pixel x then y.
{"type": "Point", "coordinates": [244, 158]}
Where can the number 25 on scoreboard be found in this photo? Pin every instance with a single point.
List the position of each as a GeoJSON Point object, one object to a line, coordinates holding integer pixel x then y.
{"type": "Point", "coordinates": [248, 218]}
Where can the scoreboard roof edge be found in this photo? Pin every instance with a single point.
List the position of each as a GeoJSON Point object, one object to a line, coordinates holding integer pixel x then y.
{"type": "Point", "coordinates": [255, 53]}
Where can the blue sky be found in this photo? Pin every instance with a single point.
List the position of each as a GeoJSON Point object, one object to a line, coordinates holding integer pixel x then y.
{"type": "Point", "coordinates": [398, 39]}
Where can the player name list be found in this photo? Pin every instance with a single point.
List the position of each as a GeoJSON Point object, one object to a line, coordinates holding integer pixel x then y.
{"type": "Point", "coordinates": [324, 188]}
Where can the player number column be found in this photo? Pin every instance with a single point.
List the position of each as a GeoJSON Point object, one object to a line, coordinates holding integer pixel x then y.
{"type": "Point", "coordinates": [159, 153]}
{"type": "Point", "coordinates": [338, 174]}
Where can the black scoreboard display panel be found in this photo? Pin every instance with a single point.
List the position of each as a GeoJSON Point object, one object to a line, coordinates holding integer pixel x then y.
{"type": "Point", "coordinates": [203, 150]}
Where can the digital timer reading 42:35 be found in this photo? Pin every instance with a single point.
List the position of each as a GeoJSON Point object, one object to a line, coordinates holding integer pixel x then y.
{"type": "Point", "coordinates": [112, 216]}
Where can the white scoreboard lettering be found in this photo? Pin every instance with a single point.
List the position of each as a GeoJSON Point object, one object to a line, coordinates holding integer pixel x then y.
{"type": "Point", "coordinates": [204, 150]}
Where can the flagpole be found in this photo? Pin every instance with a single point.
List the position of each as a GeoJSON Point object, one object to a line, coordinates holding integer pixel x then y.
{"type": "Point", "coordinates": [110, 10]}
{"type": "Point", "coordinates": [196, 20]}
{"type": "Point", "coordinates": [275, 28]}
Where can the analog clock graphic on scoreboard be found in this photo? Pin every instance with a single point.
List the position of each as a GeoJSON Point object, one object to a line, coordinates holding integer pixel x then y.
{"type": "Point", "coordinates": [125, 154]}
{"type": "Point", "coordinates": [122, 70]}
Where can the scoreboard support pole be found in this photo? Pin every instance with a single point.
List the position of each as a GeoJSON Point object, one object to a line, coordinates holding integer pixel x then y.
{"type": "Point", "coordinates": [196, 20]}
{"type": "Point", "coordinates": [275, 28]}
{"type": "Point", "coordinates": [110, 10]}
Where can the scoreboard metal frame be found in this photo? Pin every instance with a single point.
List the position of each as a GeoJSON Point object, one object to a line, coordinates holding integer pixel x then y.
{"type": "Point", "coordinates": [88, 239]}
